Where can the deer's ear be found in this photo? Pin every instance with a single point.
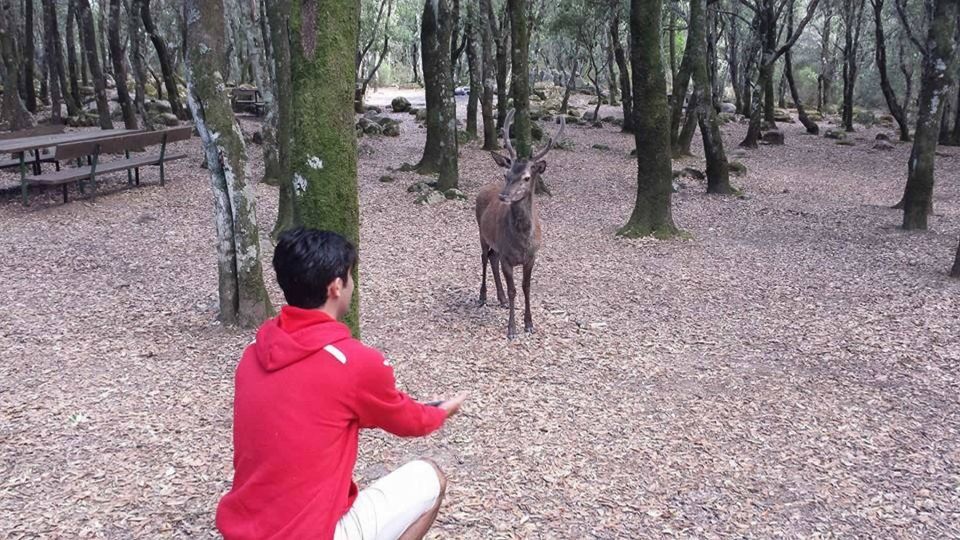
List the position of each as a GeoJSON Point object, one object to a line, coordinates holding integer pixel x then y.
{"type": "Point", "coordinates": [540, 166]}
{"type": "Point", "coordinates": [502, 161]}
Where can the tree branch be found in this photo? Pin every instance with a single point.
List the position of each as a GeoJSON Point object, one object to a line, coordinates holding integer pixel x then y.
{"type": "Point", "coordinates": [900, 4]}
{"type": "Point", "coordinates": [811, 9]}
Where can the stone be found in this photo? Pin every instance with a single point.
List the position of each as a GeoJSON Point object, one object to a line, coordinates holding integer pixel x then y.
{"type": "Point", "coordinates": [781, 115]}
{"type": "Point", "coordinates": [373, 128]}
{"type": "Point", "coordinates": [392, 130]}
{"type": "Point", "coordinates": [257, 137]}
{"type": "Point", "coordinates": [454, 193]}
{"type": "Point", "coordinates": [883, 145]}
{"type": "Point", "coordinates": [600, 147]}
{"type": "Point", "coordinates": [846, 142]}
{"type": "Point", "coordinates": [774, 137]}
{"type": "Point", "coordinates": [159, 106]}
{"type": "Point", "coordinates": [609, 119]}
{"type": "Point", "coordinates": [882, 137]}
{"type": "Point", "coordinates": [430, 197]}
{"type": "Point", "coordinates": [386, 178]}
{"type": "Point", "coordinates": [725, 117]}
{"type": "Point", "coordinates": [597, 124]}
{"type": "Point", "coordinates": [169, 119]}
{"type": "Point", "coordinates": [400, 104]}
{"type": "Point", "coordinates": [421, 187]}
{"type": "Point", "coordinates": [736, 168]}
{"type": "Point", "coordinates": [374, 109]}
{"type": "Point", "coordinates": [413, 111]}
{"type": "Point", "coordinates": [728, 108]}
{"type": "Point", "coordinates": [588, 116]}
{"type": "Point", "coordinates": [835, 134]}
{"type": "Point", "coordinates": [690, 172]}
{"type": "Point", "coordinates": [536, 131]}
{"type": "Point", "coordinates": [676, 186]}
{"type": "Point", "coordinates": [422, 115]}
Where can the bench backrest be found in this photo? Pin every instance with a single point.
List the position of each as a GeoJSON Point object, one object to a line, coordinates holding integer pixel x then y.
{"type": "Point", "coordinates": [66, 152]}
{"type": "Point", "coordinates": [119, 144]}
{"type": "Point", "coordinates": [49, 129]}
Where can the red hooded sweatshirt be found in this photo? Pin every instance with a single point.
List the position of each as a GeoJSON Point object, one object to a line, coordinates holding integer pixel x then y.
{"type": "Point", "coordinates": [304, 389]}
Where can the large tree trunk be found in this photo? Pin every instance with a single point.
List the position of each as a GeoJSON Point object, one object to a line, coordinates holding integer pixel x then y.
{"type": "Point", "coordinates": [85, 16]}
{"type": "Point", "coordinates": [937, 78]}
{"type": "Point", "coordinates": [718, 175]}
{"type": "Point", "coordinates": [768, 32]}
{"type": "Point", "coordinates": [50, 40]}
{"type": "Point", "coordinates": [136, 59]}
{"type": "Point", "coordinates": [243, 295]}
{"type": "Point", "coordinates": [14, 111]}
{"type": "Point", "coordinates": [102, 37]}
{"type": "Point", "coordinates": [488, 76]}
{"type": "Point", "coordinates": [574, 71]}
{"type": "Point", "coordinates": [826, 59]}
{"type": "Point", "coordinates": [685, 138]}
{"type": "Point", "coordinates": [29, 73]}
{"type": "Point", "coordinates": [888, 94]}
{"type": "Point", "coordinates": [56, 57]}
{"type": "Point", "coordinates": [163, 55]}
{"type": "Point", "coordinates": [475, 68]}
{"type": "Point", "coordinates": [440, 151]}
{"type": "Point", "coordinates": [625, 90]}
{"type": "Point", "coordinates": [809, 124]}
{"type": "Point", "coordinates": [751, 140]}
{"type": "Point", "coordinates": [323, 149]}
{"type": "Point", "coordinates": [278, 15]}
{"type": "Point", "coordinates": [72, 66]}
{"type": "Point", "coordinates": [853, 17]}
{"type": "Point", "coordinates": [119, 68]}
{"type": "Point", "coordinates": [611, 77]}
{"type": "Point", "coordinates": [651, 213]}
{"type": "Point", "coordinates": [520, 36]}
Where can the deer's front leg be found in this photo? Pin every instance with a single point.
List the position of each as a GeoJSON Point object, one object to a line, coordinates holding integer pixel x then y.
{"type": "Point", "coordinates": [527, 317]}
{"type": "Point", "coordinates": [484, 257]}
{"type": "Point", "coordinates": [512, 294]}
{"type": "Point", "coordinates": [495, 267]}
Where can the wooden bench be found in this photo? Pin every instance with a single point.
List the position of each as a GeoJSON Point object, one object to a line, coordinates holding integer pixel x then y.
{"type": "Point", "coordinates": [247, 98]}
{"type": "Point", "coordinates": [14, 161]}
{"type": "Point", "coordinates": [92, 151]}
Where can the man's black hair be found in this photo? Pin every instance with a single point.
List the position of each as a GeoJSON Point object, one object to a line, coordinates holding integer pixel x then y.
{"type": "Point", "coordinates": [307, 261]}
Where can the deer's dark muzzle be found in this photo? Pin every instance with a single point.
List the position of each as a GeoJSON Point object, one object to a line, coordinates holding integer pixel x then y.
{"type": "Point", "coordinates": [504, 197]}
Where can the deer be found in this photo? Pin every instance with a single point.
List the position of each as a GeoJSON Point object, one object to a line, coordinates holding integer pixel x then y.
{"type": "Point", "coordinates": [510, 232]}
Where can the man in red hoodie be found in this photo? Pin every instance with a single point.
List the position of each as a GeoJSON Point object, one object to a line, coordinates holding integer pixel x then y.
{"type": "Point", "coordinates": [304, 389]}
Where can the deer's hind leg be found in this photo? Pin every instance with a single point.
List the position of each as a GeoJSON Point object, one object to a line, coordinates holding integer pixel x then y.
{"type": "Point", "coordinates": [527, 317]}
{"type": "Point", "coordinates": [512, 291]}
{"type": "Point", "coordinates": [484, 258]}
{"type": "Point", "coordinates": [495, 266]}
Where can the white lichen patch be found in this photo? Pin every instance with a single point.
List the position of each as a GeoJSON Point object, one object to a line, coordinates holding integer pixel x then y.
{"type": "Point", "coordinates": [299, 183]}
{"type": "Point", "coordinates": [315, 163]}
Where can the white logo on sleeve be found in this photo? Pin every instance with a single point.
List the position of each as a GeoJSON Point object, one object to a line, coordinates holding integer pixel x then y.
{"type": "Point", "coordinates": [387, 362]}
{"type": "Point", "coordinates": [336, 353]}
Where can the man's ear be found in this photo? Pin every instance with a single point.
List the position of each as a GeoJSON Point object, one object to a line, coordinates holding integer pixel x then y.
{"type": "Point", "coordinates": [502, 161]}
{"type": "Point", "coordinates": [540, 166]}
{"type": "Point", "coordinates": [335, 288]}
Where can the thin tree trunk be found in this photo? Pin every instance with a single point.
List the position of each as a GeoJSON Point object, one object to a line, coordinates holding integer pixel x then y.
{"type": "Point", "coordinates": [718, 175]}
{"type": "Point", "coordinates": [84, 67]}
{"type": "Point", "coordinates": [243, 295]}
{"type": "Point", "coordinates": [136, 59]}
{"type": "Point", "coordinates": [685, 138]}
{"type": "Point", "coordinates": [625, 91]}
{"type": "Point", "coordinates": [678, 95]}
{"type": "Point", "coordinates": [278, 15]}
{"type": "Point", "coordinates": [119, 69]}
{"type": "Point", "coordinates": [163, 55]}
{"type": "Point", "coordinates": [823, 78]}
{"type": "Point", "coordinates": [809, 124]}
{"type": "Point", "coordinates": [955, 272]}
{"type": "Point", "coordinates": [881, 54]}
{"type": "Point", "coordinates": [29, 73]}
{"type": "Point", "coordinates": [50, 55]}
{"type": "Point", "coordinates": [14, 111]}
{"type": "Point", "coordinates": [56, 58]}
{"type": "Point", "coordinates": [502, 37]}
{"type": "Point", "coordinates": [473, 61]}
{"type": "Point", "coordinates": [72, 55]}
{"type": "Point", "coordinates": [488, 76]}
{"type": "Point", "coordinates": [752, 139]}
{"type": "Point", "coordinates": [574, 71]}
{"type": "Point", "coordinates": [323, 145]}
{"type": "Point", "coordinates": [264, 79]}
{"type": "Point", "coordinates": [102, 38]}
{"type": "Point", "coordinates": [853, 18]}
{"type": "Point", "coordinates": [937, 78]}
{"type": "Point", "coordinates": [85, 16]}
{"type": "Point", "coordinates": [440, 151]}
{"type": "Point", "coordinates": [652, 213]}
{"type": "Point", "coordinates": [611, 76]}
{"type": "Point", "coordinates": [768, 32]}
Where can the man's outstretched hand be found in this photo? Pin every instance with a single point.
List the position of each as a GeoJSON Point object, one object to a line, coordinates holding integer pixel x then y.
{"type": "Point", "coordinates": [452, 405]}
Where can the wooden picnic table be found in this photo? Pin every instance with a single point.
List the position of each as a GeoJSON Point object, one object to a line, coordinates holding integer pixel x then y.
{"type": "Point", "coordinates": [26, 144]}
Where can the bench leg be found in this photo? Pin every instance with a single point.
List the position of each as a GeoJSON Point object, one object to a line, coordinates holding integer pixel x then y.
{"type": "Point", "coordinates": [137, 175]}
{"type": "Point", "coordinates": [64, 194]}
{"type": "Point", "coordinates": [23, 180]}
{"type": "Point", "coordinates": [161, 173]}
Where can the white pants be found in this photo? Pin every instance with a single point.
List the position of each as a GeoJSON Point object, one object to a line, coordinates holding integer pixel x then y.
{"type": "Point", "coordinates": [386, 509]}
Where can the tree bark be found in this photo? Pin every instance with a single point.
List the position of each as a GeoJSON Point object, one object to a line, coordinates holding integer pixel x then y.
{"type": "Point", "coordinates": [119, 68]}
{"type": "Point", "coordinates": [651, 213]}
{"type": "Point", "coordinates": [678, 95]}
{"type": "Point", "coordinates": [323, 148]}
{"type": "Point", "coordinates": [101, 33]}
{"type": "Point", "coordinates": [136, 60]}
{"type": "Point", "coordinates": [809, 124]}
{"type": "Point", "coordinates": [163, 55]}
{"type": "Point", "coordinates": [937, 78]}
{"type": "Point", "coordinates": [243, 295]}
{"type": "Point", "coordinates": [611, 77]}
{"type": "Point", "coordinates": [440, 151]}
{"type": "Point", "coordinates": [85, 16]}
{"type": "Point", "coordinates": [14, 110]}
{"type": "Point", "coordinates": [520, 36]}
{"type": "Point", "coordinates": [689, 129]}
{"type": "Point", "coordinates": [488, 77]}
{"type": "Point", "coordinates": [476, 77]}
{"type": "Point", "coordinates": [501, 38]}
{"type": "Point", "coordinates": [752, 139]}
{"type": "Point", "coordinates": [263, 76]}
{"type": "Point", "coordinates": [625, 91]}
{"type": "Point", "coordinates": [955, 272]}
{"type": "Point", "coordinates": [853, 18]}
{"type": "Point", "coordinates": [278, 15]}
{"type": "Point", "coordinates": [29, 72]}
{"type": "Point", "coordinates": [718, 175]}
{"type": "Point", "coordinates": [55, 58]}
{"type": "Point", "coordinates": [50, 55]}
{"type": "Point", "coordinates": [826, 60]}
{"type": "Point", "coordinates": [72, 54]}
{"type": "Point", "coordinates": [881, 54]}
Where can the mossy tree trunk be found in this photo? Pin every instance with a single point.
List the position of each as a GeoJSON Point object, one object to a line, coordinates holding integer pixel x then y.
{"type": "Point", "coordinates": [626, 92]}
{"type": "Point", "coordinates": [29, 73]}
{"type": "Point", "coordinates": [440, 150]}
{"type": "Point", "coordinates": [502, 40]}
{"type": "Point", "coordinates": [278, 16]}
{"type": "Point", "coordinates": [474, 62]}
{"type": "Point", "coordinates": [72, 67]}
{"type": "Point", "coordinates": [243, 295]}
{"type": "Point", "coordinates": [134, 25]}
{"type": "Point", "coordinates": [50, 56]}
{"type": "Point", "coordinates": [809, 124]}
{"type": "Point", "coordinates": [652, 214]}
{"type": "Point", "coordinates": [85, 16]}
{"type": "Point", "coordinates": [14, 111]}
{"type": "Point", "coordinates": [323, 144]}
{"type": "Point", "coordinates": [486, 22]}
{"type": "Point", "coordinates": [678, 95]}
{"type": "Point", "coordinates": [937, 78]}
{"type": "Point", "coordinates": [56, 57]}
{"type": "Point", "coordinates": [853, 19]}
{"type": "Point", "coordinates": [264, 77]}
{"type": "Point", "coordinates": [163, 56]}
{"type": "Point", "coordinates": [117, 56]}
{"type": "Point", "coordinates": [718, 175]}
{"type": "Point", "coordinates": [881, 55]}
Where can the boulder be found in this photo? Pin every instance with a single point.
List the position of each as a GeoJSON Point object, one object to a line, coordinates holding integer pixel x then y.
{"type": "Point", "coordinates": [430, 197]}
{"type": "Point", "coordinates": [781, 115]}
{"type": "Point", "coordinates": [453, 193]}
{"type": "Point", "coordinates": [374, 109]}
{"type": "Point", "coordinates": [737, 169]}
{"type": "Point", "coordinates": [422, 186]}
{"type": "Point", "coordinates": [392, 130]}
{"type": "Point", "coordinates": [169, 119]}
{"type": "Point", "coordinates": [725, 117]}
{"type": "Point", "coordinates": [728, 108]}
{"type": "Point", "coordinates": [386, 178]}
{"type": "Point", "coordinates": [835, 134]}
{"type": "Point", "coordinates": [536, 131]}
{"type": "Point", "coordinates": [413, 111]}
{"type": "Point", "coordinates": [883, 145]}
{"type": "Point", "coordinates": [774, 137]}
{"type": "Point", "coordinates": [158, 106]}
{"type": "Point", "coordinates": [400, 104]}
{"type": "Point", "coordinates": [422, 115]}
{"type": "Point", "coordinates": [257, 137]}
{"type": "Point", "coordinates": [690, 172]}
{"type": "Point", "coordinates": [883, 137]}
{"type": "Point", "coordinates": [373, 128]}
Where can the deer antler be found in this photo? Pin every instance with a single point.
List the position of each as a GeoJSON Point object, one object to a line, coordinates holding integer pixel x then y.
{"type": "Point", "coordinates": [542, 153]}
{"type": "Point", "coordinates": [507, 122]}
